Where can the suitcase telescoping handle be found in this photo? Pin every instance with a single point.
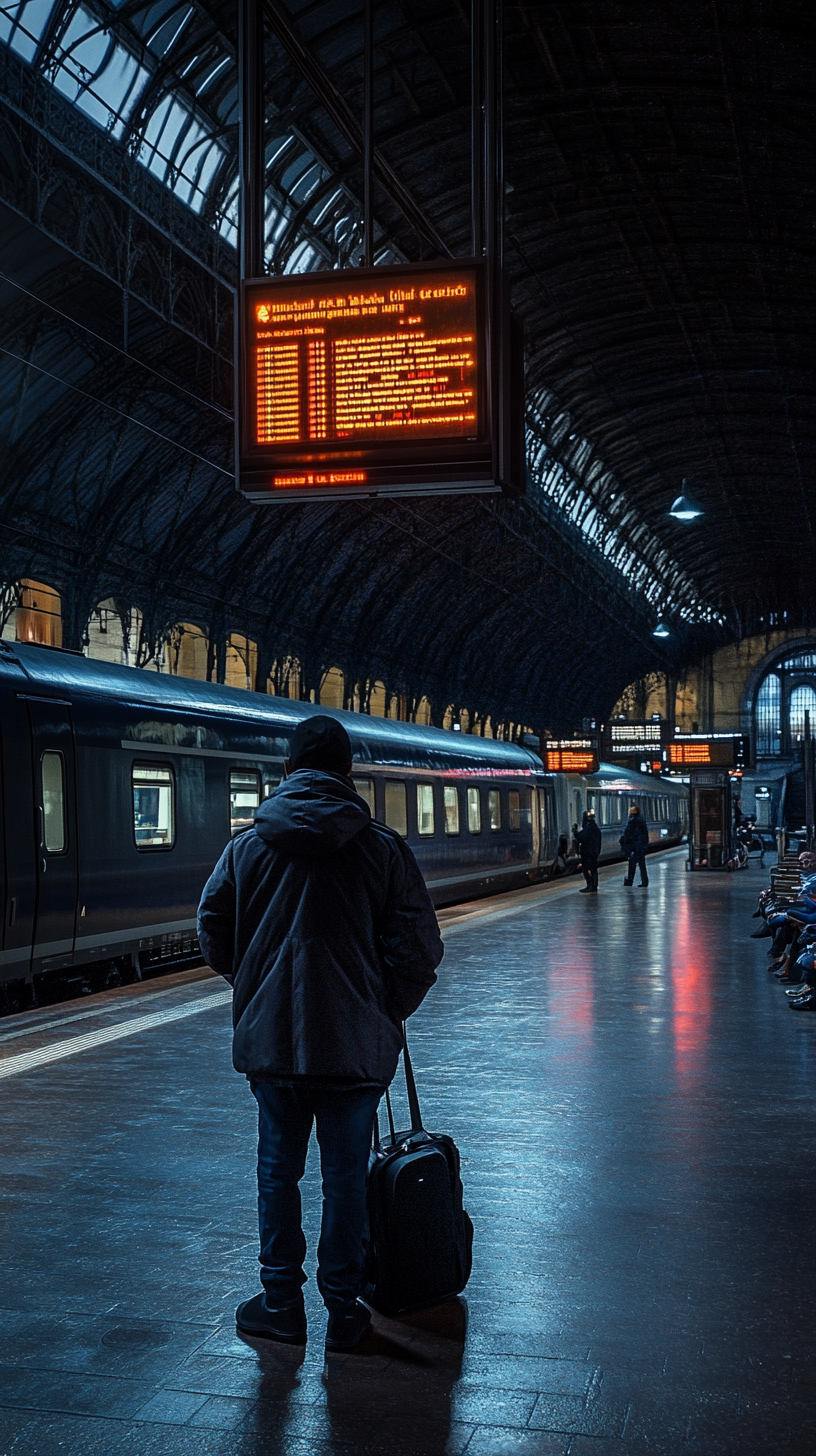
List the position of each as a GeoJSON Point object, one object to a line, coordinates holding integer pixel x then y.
{"type": "Point", "coordinates": [410, 1084]}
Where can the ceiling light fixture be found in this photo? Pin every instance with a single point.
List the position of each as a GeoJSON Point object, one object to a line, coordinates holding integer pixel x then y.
{"type": "Point", "coordinates": [661, 630]}
{"type": "Point", "coordinates": [685, 507]}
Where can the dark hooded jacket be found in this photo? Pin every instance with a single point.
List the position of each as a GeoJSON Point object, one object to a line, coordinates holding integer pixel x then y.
{"type": "Point", "coordinates": [635, 837]}
{"type": "Point", "coordinates": [321, 921]}
{"type": "Point", "coordinates": [590, 840]}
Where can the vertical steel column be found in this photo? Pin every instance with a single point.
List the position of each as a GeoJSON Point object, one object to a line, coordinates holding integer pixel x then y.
{"type": "Point", "coordinates": [477, 129]}
{"type": "Point", "coordinates": [368, 134]}
{"type": "Point", "coordinates": [808, 757]}
{"type": "Point", "coordinates": [251, 155]}
{"type": "Point", "coordinates": [494, 225]}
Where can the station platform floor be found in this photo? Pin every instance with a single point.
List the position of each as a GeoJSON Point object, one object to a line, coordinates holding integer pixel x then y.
{"type": "Point", "coordinates": [633, 1101]}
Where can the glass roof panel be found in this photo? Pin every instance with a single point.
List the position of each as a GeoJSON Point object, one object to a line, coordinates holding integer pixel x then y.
{"type": "Point", "coordinates": [100, 67]}
{"type": "Point", "coordinates": [22, 23]}
{"type": "Point", "coordinates": [178, 150]}
{"type": "Point", "coordinates": [96, 72]}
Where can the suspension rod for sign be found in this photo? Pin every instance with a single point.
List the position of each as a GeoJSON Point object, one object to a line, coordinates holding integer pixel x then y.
{"type": "Point", "coordinates": [251, 137]}
{"type": "Point", "coordinates": [348, 125]}
{"type": "Point", "coordinates": [477, 124]}
{"type": "Point", "coordinates": [368, 133]}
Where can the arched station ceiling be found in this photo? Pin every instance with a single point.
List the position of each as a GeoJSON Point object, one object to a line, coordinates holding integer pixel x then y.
{"type": "Point", "coordinates": [659, 243]}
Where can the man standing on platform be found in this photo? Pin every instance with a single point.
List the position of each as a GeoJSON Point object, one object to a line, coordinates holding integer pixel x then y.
{"type": "Point", "coordinates": [635, 842]}
{"type": "Point", "coordinates": [590, 841]}
{"type": "Point", "coordinates": [320, 920]}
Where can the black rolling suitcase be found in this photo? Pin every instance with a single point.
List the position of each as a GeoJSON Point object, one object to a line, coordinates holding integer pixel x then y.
{"type": "Point", "coordinates": [421, 1238]}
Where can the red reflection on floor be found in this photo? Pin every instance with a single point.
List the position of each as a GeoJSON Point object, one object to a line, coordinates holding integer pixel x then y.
{"type": "Point", "coordinates": [691, 997]}
{"type": "Point", "coordinates": [572, 992]}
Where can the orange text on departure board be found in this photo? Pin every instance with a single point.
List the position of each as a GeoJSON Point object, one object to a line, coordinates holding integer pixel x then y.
{"type": "Point", "coordinates": [689, 753]}
{"type": "Point", "coordinates": [377, 364]}
{"type": "Point", "coordinates": [567, 760]}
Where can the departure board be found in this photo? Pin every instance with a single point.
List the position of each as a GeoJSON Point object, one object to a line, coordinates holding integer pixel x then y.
{"type": "Point", "coordinates": [571, 755]}
{"type": "Point", "coordinates": [723, 750]}
{"type": "Point", "coordinates": [365, 381]}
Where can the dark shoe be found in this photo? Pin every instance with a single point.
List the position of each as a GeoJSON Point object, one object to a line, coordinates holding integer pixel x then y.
{"type": "Point", "coordinates": [628, 882]}
{"type": "Point", "coordinates": [763, 932]}
{"type": "Point", "coordinates": [756, 915]}
{"type": "Point", "coordinates": [803, 1003]}
{"type": "Point", "coordinates": [644, 885]}
{"type": "Point", "coordinates": [346, 1329]}
{"type": "Point", "coordinates": [585, 891]}
{"type": "Point", "coordinates": [287, 1326]}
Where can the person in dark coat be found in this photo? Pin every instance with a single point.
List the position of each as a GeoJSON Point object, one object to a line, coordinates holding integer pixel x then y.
{"type": "Point", "coordinates": [321, 922]}
{"type": "Point", "coordinates": [590, 841]}
{"type": "Point", "coordinates": [635, 842]}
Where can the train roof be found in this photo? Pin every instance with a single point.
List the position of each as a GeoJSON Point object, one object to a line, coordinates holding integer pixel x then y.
{"type": "Point", "coordinates": [627, 780]}
{"type": "Point", "coordinates": [372, 738]}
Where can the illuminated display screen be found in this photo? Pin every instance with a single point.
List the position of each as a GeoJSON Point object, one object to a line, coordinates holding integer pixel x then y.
{"type": "Point", "coordinates": [638, 733]}
{"type": "Point", "coordinates": [374, 363]}
{"type": "Point", "coordinates": [691, 753]}
{"type": "Point", "coordinates": [721, 752]}
{"type": "Point", "coordinates": [571, 755]}
{"type": "Point", "coordinates": [367, 380]}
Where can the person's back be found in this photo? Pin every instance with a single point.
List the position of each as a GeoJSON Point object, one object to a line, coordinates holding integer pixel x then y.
{"type": "Point", "coordinates": [331, 938]}
{"type": "Point", "coordinates": [321, 921]}
{"type": "Point", "coordinates": [590, 843]}
{"type": "Point", "coordinates": [635, 842]}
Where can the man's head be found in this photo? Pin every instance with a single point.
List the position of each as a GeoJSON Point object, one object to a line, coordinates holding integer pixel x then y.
{"type": "Point", "coordinates": [590, 813]}
{"type": "Point", "coordinates": [807, 860]}
{"type": "Point", "coordinates": [320, 743]}
{"type": "Point", "coordinates": [633, 810]}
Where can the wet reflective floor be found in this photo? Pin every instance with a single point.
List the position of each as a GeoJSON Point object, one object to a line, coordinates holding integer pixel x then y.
{"type": "Point", "coordinates": [633, 1100]}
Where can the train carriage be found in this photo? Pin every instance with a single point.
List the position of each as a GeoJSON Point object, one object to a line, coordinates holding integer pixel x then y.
{"type": "Point", "coordinates": [120, 788]}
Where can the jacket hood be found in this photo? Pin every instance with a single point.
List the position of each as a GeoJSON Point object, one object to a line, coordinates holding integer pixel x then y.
{"type": "Point", "coordinates": [312, 813]}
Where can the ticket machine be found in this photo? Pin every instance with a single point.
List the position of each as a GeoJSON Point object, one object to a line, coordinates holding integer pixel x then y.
{"type": "Point", "coordinates": [710, 819]}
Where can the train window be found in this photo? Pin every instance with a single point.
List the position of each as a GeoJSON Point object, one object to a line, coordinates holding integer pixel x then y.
{"type": "Point", "coordinates": [425, 809]}
{"type": "Point", "coordinates": [153, 809]}
{"type": "Point", "coordinates": [474, 811]}
{"type": "Point", "coordinates": [53, 801]}
{"type": "Point", "coordinates": [245, 796]}
{"type": "Point", "coordinates": [451, 797]}
{"type": "Point", "coordinates": [494, 809]}
{"type": "Point", "coordinates": [396, 807]}
{"type": "Point", "coordinates": [514, 806]}
{"type": "Point", "coordinates": [365, 788]}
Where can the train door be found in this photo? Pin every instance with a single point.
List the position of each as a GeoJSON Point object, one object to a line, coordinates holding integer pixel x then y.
{"type": "Point", "coordinates": [548, 825]}
{"type": "Point", "coordinates": [55, 833]}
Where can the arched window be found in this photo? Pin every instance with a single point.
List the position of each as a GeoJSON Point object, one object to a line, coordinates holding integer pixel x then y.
{"type": "Point", "coordinates": [802, 700]}
{"type": "Point", "coordinates": [768, 723]}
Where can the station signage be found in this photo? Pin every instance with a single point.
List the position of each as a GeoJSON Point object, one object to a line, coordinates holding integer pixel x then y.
{"type": "Point", "coordinates": [376, 381]}
{"type": "Point", "coordinates": [627, 739]}
{"type": "Point", "coordinates": [571, 755]}
{"type": "Point", "coordinates": [720, 750]}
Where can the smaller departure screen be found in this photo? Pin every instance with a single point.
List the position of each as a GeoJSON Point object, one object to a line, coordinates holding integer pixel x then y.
{"type": "Point", "coordinates": [721, 753]}
{"type": "Point", "coordinates": [567, 755]}
{"type": "Point", "coordinates": [331, 362]}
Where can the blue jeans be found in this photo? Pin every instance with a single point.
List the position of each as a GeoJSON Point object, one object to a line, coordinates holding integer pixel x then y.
{"type": "Point", "coordinates": [344, 1123]}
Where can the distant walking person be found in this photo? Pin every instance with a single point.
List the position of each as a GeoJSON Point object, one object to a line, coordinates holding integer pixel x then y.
{"type": "Point", "coordinates": [635, 842]}
{"type": "Point", "coordinates": [590, 841]}
{"type": "Point", "coordinates": [320, 920]}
